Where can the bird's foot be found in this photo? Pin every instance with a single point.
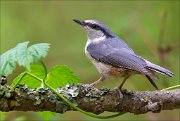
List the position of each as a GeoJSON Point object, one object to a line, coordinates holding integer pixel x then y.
{"type": "Point", "coordinates": [93, 84]}
{"type": "Point", "coordinates": [119, 91]}
{"type": "Point", "coordinates": [119, 88]}
{"type": "Point", "coordinates": [96, 82]}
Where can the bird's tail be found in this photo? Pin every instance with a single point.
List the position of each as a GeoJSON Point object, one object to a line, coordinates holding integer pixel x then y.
{"type": "Point", "coordinates": [159, 69]}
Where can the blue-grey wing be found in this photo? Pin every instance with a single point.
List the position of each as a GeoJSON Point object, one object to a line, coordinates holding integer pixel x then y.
{"type": "Point", "coordinates": [118, 57]}
{"type": "Point", "coordinates": [116, 42]}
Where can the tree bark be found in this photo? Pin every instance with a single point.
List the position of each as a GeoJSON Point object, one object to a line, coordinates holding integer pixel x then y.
{"type": "Point", "coordinates": [87, 98]}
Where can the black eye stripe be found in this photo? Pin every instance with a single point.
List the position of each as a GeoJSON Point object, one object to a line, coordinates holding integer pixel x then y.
{"type": "Point", "coordinates": [93, 26]}
{"type": "Point", "coordinates": [97, 27]}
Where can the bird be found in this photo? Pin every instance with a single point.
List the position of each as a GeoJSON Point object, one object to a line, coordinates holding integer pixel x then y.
{"type": "Point", "coordinates": [113, 57]}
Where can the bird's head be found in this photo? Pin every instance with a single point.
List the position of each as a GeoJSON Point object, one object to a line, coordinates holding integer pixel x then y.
{"type": "Point", "coordinates": [95, 29]}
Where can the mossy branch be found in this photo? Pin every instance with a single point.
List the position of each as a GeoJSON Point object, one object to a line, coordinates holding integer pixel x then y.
{"type": "Point", "coordinates": [89, 99]}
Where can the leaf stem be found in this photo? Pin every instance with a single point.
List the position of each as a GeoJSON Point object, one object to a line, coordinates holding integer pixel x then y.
{"type": "Point", "coordinates": [42, 83]}
{"type": "Point", "coordinates": [172, 87]}
{"type": "Point", "coordinates": [19, 80]}
{"type": "Point", "coordinates": [44, 69]}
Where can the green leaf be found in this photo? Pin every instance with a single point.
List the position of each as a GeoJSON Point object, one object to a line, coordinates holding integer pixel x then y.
{"type": "Point", "coordinates": [23, 55]}
{"type": "Point", "coordinates": [26, 55]}
{"type": "Point", "coordinates": [39, 71]}
{"type": "Point", "coordinates": [37, 51]}
{"type": "Point", "coordinates": [59, 76]}
{"type": "Point", "coordinates": [47, 115]}
{"type": "Point", "coordinates": [20, 118]}
{"type": "Point", "coordinates": [3, 116]}
{"type": "Point", "coordinates": [8, 62]}
{"type": "Point", "coordinates": [36, 70]}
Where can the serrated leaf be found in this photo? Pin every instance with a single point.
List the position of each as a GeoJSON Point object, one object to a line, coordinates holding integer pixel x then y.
{"type": "Point", "coordinates": [27, 55]}
{"type": "Point", "coordinates": [31, 82]}
{"type": "Point", "coordinates": [59, 76]}
{"type": "Point", "coordinates": [8, 62]}
{"type": "Point", "coordinates": [23, 55]}
{"type": "Point", "coordinates": [37, 51]}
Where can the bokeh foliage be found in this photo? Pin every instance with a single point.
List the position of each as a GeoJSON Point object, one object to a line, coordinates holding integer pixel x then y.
{"type": "Point", "coordinates": [151, 28]}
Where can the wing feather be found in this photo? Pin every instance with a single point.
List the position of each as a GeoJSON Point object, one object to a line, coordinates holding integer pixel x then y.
{"type": "Point", "coordinates": [118, 57]}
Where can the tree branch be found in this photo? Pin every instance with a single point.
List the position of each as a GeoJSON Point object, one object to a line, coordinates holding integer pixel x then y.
{"type": "Point", "coordinates": [89, 99]}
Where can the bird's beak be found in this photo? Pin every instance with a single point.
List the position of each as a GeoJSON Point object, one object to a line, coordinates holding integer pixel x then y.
{"type": "Point", "coordinates": [82, 23]}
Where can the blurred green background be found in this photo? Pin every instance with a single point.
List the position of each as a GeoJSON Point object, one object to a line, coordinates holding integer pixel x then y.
{"type": "Point", "coordinates": [150, 28]}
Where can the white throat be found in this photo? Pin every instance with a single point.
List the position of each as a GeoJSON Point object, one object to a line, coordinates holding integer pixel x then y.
{"type": "Point", "coordinates": [97, 40]}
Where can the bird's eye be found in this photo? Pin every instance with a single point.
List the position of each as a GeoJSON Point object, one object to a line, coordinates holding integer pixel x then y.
{"type": "Point", "coordinates": [94, 26]}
